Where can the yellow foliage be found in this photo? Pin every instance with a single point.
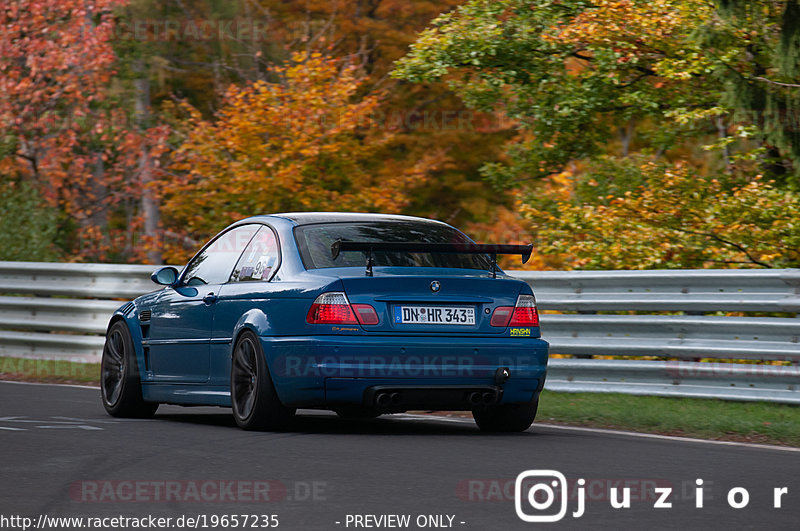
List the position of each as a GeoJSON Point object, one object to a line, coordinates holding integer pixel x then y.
{"type": "Point", "coordinates": [304, 142]}
{"type": "Point", "coordinates": [676, 219]}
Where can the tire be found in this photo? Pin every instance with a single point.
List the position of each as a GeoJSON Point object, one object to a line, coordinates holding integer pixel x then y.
{"type": "Point", "coordinates": [354, 412]}
{"type": "Point", "coordinates": [253, 398]}
{"type": "Point", "coordinates": [120, 384]}
{"type": "Point", "coordinates": [506, 418]}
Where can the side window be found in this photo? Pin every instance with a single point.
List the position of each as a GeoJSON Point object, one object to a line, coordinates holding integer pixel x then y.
{"type": "Point", "coordinates": [215, 263]}
{"type": "Point", "coordinates": [260, 258]}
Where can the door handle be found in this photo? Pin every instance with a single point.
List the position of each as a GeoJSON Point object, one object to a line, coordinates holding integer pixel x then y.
{"type": "Point", "coordinates": [210, 299]}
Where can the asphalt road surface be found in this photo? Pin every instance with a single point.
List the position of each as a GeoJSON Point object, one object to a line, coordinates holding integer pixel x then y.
{"type": "Point", "coordinates": [62, 456]}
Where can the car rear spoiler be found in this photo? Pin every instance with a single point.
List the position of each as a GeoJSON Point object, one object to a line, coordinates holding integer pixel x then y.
{"type": "Point", "coordinates": [413, 247]}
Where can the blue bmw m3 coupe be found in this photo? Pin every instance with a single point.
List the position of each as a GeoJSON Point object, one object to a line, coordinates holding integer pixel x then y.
{"type": "Point", "coordinates": [362, 314]}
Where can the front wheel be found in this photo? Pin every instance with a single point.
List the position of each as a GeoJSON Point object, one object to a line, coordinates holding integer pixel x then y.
{"type": "Point", "coordinates": [120, 385]}
{"type": "Point", "coordinates": [255, 403]}
{"type": "Point", "coordinates": [506, 417]}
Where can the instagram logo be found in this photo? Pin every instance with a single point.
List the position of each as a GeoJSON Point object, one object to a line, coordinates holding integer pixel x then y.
{"type": "Point", "coordinates": [535, 493]}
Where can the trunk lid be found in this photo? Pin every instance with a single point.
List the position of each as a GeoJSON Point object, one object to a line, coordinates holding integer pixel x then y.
{"type": "Point", "coordinates": [425, 303]}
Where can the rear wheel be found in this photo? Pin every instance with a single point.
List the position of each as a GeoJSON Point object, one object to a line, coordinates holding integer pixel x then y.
{"type": "Point", "coordinates": [506, 417]}
{"type": "Point", "coordinates": [255, 403]}
{"type": "Point", "coordinates": [120, 385]}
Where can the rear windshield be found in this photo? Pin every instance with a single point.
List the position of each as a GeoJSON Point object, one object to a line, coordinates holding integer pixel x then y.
{"type": "Point", "coordinates": [314, 243]}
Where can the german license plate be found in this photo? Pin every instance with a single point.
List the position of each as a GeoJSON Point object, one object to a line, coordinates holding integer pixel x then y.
{"type": "Point", "coordinates": [434, 315]}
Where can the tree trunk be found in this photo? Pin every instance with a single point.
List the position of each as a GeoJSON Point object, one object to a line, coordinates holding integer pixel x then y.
{"type": "Point", "coordinates": [149, 205]}
{"type": "Point", "coordinates": [722, 132]}
{"type": "Point", "coordinates": [98, 206]}
{"type": "Point", "coordinates": [625, 135]}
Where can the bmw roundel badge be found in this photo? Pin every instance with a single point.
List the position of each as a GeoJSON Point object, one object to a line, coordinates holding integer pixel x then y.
{"type": "Point", "coordinates": [435, 286]}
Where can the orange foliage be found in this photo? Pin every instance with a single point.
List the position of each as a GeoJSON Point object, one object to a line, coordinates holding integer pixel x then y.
{"type": "Point", "coordinates": [304, 143]}
{"type": "Point", "coordinates": [61, 131]}
{"type": "Point", "coordinates": [509, 227]}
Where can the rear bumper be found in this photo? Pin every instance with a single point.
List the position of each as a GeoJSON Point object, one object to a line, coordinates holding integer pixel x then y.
{"type": "Point", "coordinates": [325, 371]}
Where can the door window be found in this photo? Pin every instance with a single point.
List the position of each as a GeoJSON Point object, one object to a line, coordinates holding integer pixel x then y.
{"type": "Point", "coordinates": [260, 259]}
{"type": "Point", "coordinates": [214, 263]}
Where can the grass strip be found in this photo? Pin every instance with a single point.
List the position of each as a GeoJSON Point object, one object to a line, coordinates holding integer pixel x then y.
{"type": "Point", "coordinates": [49, 371]}
{"type": "Point", "coordinates": [759, 422]}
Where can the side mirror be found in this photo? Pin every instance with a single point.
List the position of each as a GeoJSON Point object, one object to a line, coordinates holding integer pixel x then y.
{"type": "Point", "coordinates": [166, 276]}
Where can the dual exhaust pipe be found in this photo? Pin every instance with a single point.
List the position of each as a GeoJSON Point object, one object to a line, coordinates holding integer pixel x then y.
{"type": "Point", "coordinates": [395, 398]}
{"type": "Point", "coordinates": [388, 399]}
{"type": "Point", "coordinates": [486, 397]}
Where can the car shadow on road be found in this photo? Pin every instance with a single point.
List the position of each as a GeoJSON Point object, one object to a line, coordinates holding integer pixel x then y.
{"type": "Point", "coordinates": [324, 422]}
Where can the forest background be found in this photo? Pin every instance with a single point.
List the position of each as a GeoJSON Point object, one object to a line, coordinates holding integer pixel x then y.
{"type": "Point", "coordinates": [612, 134]}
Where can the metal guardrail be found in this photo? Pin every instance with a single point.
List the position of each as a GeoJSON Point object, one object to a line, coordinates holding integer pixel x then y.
{"type": "Point", "coordinates": [50, 310]}
{"type": "Point", "coordinates": [687, 290]}
{"type": "Point", "coordinates": [677, 378]}
{"type": "Point", "coordinates": [681, 336]}
{"type": "Point", "coordinates": [661, 333]}
{"type": "Point", "coordinates": [60, 311]}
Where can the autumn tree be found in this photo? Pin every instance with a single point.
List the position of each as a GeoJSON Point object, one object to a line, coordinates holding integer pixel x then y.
{"type": "Point", "coordinates": [54, 64]}
{"type": "Point", "coordinates": [427, 124]}
{"type": "Point", "coordinates": [613, 100]}
{"type": "Point", "coordinates": [86, 100]}
{"type": "Point", "coordinates": [63, 136]}
{"type": "Point", "coordinates": [675, 219]}
{"type": "Point", "coordinates": [425, 118]}
{"type": "Point", "coordinates": [304, 142]}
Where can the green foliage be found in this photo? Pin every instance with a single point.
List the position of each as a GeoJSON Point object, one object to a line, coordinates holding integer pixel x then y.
{"type": "Point", "coordinates": [569, 94]}
{"type": "Point", "coordinates": [572, 73]}
{"type": "Point", "coordinates": [754, 48]}
{"type": "Point", "coordinates": [27, 225]}
{"type": "Point", "coordinates": [651, 133]}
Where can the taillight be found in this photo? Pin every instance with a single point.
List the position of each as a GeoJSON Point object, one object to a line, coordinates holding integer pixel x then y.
{"type": "Point", "coordinates": [366, 314]}
{"type": "Point", "coordinates": [523, 314]}
{"type": "Point", "coordinates": [334, 308]}
{"type": "Point", "coordinates": [501, 316]}
{"type": "Point", "coordinates": [331, 308]}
